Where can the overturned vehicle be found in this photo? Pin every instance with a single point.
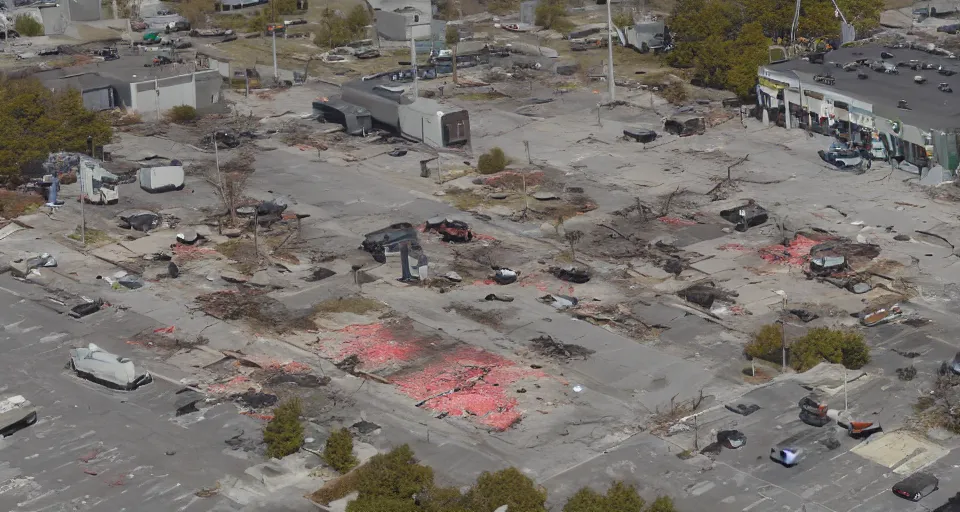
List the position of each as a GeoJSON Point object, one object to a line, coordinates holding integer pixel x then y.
{"type": "Point", "coordinates": [16, 413]}
{"type": "Point", "coordinates": [378, 243]}
{"type": "Point", "coordinates": [97, 365]}
{"type": "Point", "coordinates": [845, 159]}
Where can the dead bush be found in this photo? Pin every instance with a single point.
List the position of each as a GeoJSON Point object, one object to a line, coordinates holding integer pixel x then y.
{"type": "Point", "coordinates": [492, 161]}
{"type": "Point", "coordinates": [181, 114]}
{"type": "Point", "coordinates": [337, 488]}
{"type": "Point", "coordinates": [674, 92]}
{"type": "Point", "coordinates": [13, 204]}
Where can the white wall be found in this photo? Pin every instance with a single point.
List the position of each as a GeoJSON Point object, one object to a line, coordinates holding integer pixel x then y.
{"type": "Point", "coordinates": [174, 91]}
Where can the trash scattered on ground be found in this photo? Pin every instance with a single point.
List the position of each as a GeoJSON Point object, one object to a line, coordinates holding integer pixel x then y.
{"type": "Point", "coordinates": [450, 230]}
{"type": "Point", "coordinates": [398, 152]}
{"type": "Point", "coordinates": [732, 439]}
{"type": "Point", "coordinates": [795, 253]}
{"type": "Point", "coordinates": [908, 355]}
{"type": "Point", "coordinates": [254, 306]}
{"type": "Point", "coordinates": [705, 294]}
{"type": "Point", "coordinates": [545, 345]}
{"type": "Point", "coordinates": [804, 315]}
{"type": "Point", "coordinates": [256, 399]}
{"type": "Point", "coordinates": [364, 427]}
{"type": "Point", "coordinates": [304, 380]}
{"type": "Point", "coordinates": [559, 301]}
{"type": "Point", "coordinates": [188, 237]}
{"type": "Point", "coordinates": [830, 443]}
{"type": "Point", "coordinates": [673, 266]}
{"type": "Point", "coordinates": [746, 216]}
{"type": "Point", "coordinates": [319, 274]}
{"type": "Point", "coordinates": [143, 221]}
{"type": "Point", "coordinates": [570, 274]}
{"type": "Point", "coordinates": [743, 409]}
{"type": "Point", "coordinates": [500, 298]}
{"type": "Point", "coordinates": [131, 281]}
{"type": "Point", "coordinates": [859, 288]}
{"type": "Point", "coordinates": [907, 373]}
{"type": "Point", "coordinates": [453, 276]}
{"type": "Point", "coordinates": [86, 308]}
{"type": "Point", "coordinates": [23, 266]}
{"type": "Point", "coordinates": [505, 276]}
{"type": "Point", "coordinates": [640, 135]}
{"type": "Point", "coordinates": [881, 316]}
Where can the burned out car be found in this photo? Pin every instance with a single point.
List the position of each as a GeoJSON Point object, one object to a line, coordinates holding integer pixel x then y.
{"type": "Point", "coordinates": [97, 365]}
{"type": "Point", "coordinates": [16, 413]}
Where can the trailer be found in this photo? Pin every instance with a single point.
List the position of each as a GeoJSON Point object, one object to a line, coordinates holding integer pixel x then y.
{"type": "Point", "coordinates": [161, 179]}
{"type": "Point", "coordinates": [433, 124]}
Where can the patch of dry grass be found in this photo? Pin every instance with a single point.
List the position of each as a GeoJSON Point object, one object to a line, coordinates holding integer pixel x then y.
{"type": "Point", "coordinates": [93, 237]}
{"type": "Point", "coordinates": [13, 205]}
{"type": "Point", "coordinates": [337, 488]}
{"type": "Point", "coordinates": [464, 199]}
{"type": "Point", "coordinates": [354, 304]}
{"type": "Point", "coordinates": [481, 96]}
{"type": "Point", "coordinates": [243, 251]}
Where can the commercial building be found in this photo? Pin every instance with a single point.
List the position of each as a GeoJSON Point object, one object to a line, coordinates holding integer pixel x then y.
{"type": "Point", "coordinates": [138, 86]}
{"type": "Point", "coordinates": [899, 97]}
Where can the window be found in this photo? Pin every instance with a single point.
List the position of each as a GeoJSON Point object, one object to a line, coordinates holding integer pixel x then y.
{"type": "Point", "coordinates": [416, 18]}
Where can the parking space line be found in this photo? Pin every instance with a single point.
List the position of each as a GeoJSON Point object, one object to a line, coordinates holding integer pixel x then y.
{"type": "Point", "coordinates": [775, 486]}
{"type": "Point", "coordinates": [754, 504]}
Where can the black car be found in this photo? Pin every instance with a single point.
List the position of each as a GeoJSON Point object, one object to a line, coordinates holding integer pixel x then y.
{"type": "Point", "coordinates": [916, 486]}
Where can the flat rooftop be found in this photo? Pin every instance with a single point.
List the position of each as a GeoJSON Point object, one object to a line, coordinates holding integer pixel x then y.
{"type": "Point", "coordinates": [929, 107]}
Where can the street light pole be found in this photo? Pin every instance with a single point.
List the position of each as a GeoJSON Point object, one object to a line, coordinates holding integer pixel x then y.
{"type": "Point", "coordinates": [613, 86]}
{"type": "Point", "coordinates": [276, 73]}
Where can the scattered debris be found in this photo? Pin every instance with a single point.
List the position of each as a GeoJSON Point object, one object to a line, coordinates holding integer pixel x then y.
{"type": "Point", "coordinates": [570, 274]}
{"type": "Point", "coordinates": [804, 315]}
{"type": "Point", "coordinates": [559, 301]}
{"type": "Point", "coordinates": [364, 427]}
{"type": "Point", "coordinates": [830, 443]}
{"type": "Point", "coordinates": [379, 242]}
{"type": "Point", "coordinates": [908, 355]}
{"type": "Point", "coordinates": [746, 216]}
{"type": "Point", "coordinates": [449, 230]}
{"type": "Point", "coordinates": [640, 135]}
{"type": "Point", "coordinates": [732, 439]}
{"type": "Point", "coordinates": [256, 307]}
{"type": "Point", "coordinates": [505, 276]}
{"type": "Point", "coordinates": [256, 399]}
{"type": "Point", "coordinates": [453, 276]}
{"type": "Point", "coordinates": [86, 308]}
{"type": "Point", "coordinates": [881, 316]}
{"type": "Point", "coordinates": [319, 274]}
{"type": "Point", "coordinates": [907, 373]}
{"type": "Point", "coordinates": [705, 294]}
{"type": "Point", "coordinates": [743, 409]}
{"type": "Point", "coordinates": [144, 221]}
{"type": "Point", "coordinates": [547, 346]}
{"type": "Point", "coordinates": [500, 298]}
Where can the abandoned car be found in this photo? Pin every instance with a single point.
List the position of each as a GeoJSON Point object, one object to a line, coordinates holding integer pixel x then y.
{"type": "Point", "coordinates": [16, 412]}
{"type": "Point", "coordinates": [97, 365]}
{"type": "Point", "coordinates": [916, 486]}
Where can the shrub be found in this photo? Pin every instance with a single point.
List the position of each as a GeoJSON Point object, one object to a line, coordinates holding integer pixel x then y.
{"type": "Point", "coordinates": [336, 30]}
{"type": "Point", "coordinates": [551, 14]}
{"type": "Point", "coordinates": [28, 26]}
{"type": "Point", "coordinates": [674, 92]}
{"type": "Point", "coordinates": [767, 344]}
{"type": "Point", "coordinates": [181, 114]}
{"type": "Point", "coordinates": [394, 475]}
{"type": "Point", "coordinates": [383, 504]}
{"type": "Point", "coordinates": [620, 497]}
{"type": "Point", "coordinates": [506, 487]}
{"type": "Point", "coordinates": [284, 433]}
{"type": "Point", "coordinates": [623, 19]}
{"type": "Point", "coordinates": [338, 452]}
{"type": "Point", "coordinates": [841, 346]}
{"type": "Point", "coordinates": [492, 161]}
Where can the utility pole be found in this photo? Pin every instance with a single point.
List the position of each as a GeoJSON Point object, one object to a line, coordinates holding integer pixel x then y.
{"type": "Point", "coordinates": [844, 390]}
{"type": "Point", "coordinates": [613, 86]}
{"type": "Point", "coordinates": [276, 73]}
{"type": "Point", "coordinates": [156, 85]}
{"type": "Point", "coordinates": [413, 57]}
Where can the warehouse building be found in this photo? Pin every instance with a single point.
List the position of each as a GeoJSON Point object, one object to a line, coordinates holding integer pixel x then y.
{"type": "Point", "coordinates": [898, 97]}
{"type": "Point", "coordinates": [148, 90]}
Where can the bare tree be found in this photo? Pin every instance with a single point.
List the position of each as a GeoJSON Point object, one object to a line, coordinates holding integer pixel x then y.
{"type": "Point", "coordinates": [573, 238]}
{"type": "Point", "coordinates": [230, 181]}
